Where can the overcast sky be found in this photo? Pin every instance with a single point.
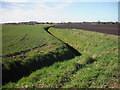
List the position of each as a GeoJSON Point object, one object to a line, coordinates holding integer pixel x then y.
{"type": "Point", "coordinates": [55, 11]}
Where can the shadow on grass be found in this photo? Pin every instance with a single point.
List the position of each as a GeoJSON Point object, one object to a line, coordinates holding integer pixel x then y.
{"type": "Point", "coordinates": [70, 47]}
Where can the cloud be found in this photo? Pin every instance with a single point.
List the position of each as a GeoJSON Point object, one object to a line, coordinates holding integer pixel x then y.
{"type": "Point", "coordinates": [15, 1]}
{"type": "Point", "coordinates": [21, 1]}
{"type": "Point", "coordinates": [38, 11]}
{"type": "Point", "coordinates": [27, 10]}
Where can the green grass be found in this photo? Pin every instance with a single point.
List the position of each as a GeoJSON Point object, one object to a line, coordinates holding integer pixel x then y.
{"type": "Point", "coordinates": [97, 67]}
{"type": "Point", "coordinates": [101, 47]}
{"type": "Point", "coordinates": [21, 65]}
{"type": "Point", "coordinates": [18, 38]}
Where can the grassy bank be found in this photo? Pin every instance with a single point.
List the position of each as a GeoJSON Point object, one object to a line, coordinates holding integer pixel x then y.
{"type": "Point", "coordinates": [97, 67]}
{"type": "Point", "coordinates": [102, 48]}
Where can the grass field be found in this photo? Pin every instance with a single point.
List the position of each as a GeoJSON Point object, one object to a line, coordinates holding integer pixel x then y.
{"type": "Point", "coordinates": [32, 48]}
{"type": "Point", "coordinates": [18, 38]}
{"type": "Point", "coordinates": [97, 67]}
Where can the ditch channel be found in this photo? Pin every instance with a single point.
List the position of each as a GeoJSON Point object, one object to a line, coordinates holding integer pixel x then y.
{"type": "Point", "coordinates": [17, 70]}
{"type": "Point", "coordinates": [70, 47]}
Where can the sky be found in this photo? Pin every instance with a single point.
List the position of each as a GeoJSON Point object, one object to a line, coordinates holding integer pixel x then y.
{"type": "Point", "coordinates": [58, 11]}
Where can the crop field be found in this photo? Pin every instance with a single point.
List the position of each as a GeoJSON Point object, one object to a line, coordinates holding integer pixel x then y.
{"type": "Point", "coordinates": [67, 58]}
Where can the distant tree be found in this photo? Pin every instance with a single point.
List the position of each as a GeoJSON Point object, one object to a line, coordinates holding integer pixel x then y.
{"type": "Point", "coordinates": [99, 22]}
{"type": "Point", "coordinates": [47, 22]}
{"type": "Point", "coordinates": [84, 22]}
{"type": "Point", "coordinates": [113, 23]}
{"type": "Point", "coordinates": [69, 22]}
{"type": "Point", "coordinates": [116, 22]}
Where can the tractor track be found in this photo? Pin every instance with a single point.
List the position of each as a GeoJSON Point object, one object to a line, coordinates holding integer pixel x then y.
{"type": "Point", "coordinates": [21, 52]}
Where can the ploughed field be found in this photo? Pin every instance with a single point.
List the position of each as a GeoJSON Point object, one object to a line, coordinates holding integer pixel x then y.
{"type": "Point", "coordinates": [103, 28]}
{"type": "Point", "coordinates": [63, 58]}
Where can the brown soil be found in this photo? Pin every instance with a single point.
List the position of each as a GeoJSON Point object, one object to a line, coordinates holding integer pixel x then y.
{"type": "Point", "coordinates": [103, 28]}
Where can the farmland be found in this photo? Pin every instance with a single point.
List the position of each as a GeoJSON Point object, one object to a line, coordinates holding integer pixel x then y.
{"type": "Point", "coordinates": [102, 28]}
{"type": "Point", "coordinates": [39, 49]}
{"type": "Point", "coordinates": [89, 59]}
{"type": "Point", "coordinates": [23, 37]}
